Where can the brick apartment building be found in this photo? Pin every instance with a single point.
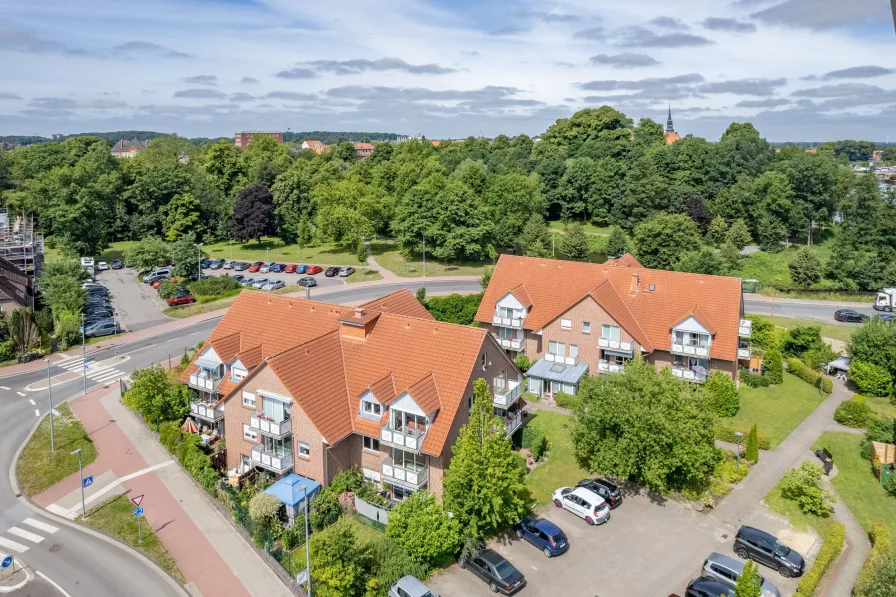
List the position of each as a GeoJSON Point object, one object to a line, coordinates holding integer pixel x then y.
{"type": "Point", "coordinates": [313, 388]}
{"type": "Point", "coordinates": [242, 140]}
{"type": "Point", "coordinates": [129, 149]}
{"type": "Point", "coordinates": [570, 318]}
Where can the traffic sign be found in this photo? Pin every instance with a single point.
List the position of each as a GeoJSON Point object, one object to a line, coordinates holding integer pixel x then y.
{"type": "Point", "coordinates": [302, 577]}
{"type": "Point", "coordinates": [138, 511]}
{"type": "Point", "coordinates": [88, 481]}
{"type": "Point", "coordinates": [137, 500]}
{"type": "Point", "coordinates": [85, 367]}
{"type": "Point", "coordinates": [7, 562]}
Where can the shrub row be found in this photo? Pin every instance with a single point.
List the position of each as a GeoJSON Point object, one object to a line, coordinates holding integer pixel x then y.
{"type": "Point", "coordinates": [534, 440]}
{"type": "Point", "coordinates": [827, 555]}
{"type": "Point", "coordinates": [189, 454]}
{"type": "Point", "coordinates": [882, 543]}
{"type": "Point", "coordinates": [567, 400]}
{"type": "Point", "coordinates": [853, 413]}
{"type": "Point", "coordinates": [726, 434]}
{"type": "Point", "coordinates": [801, 370]}
{"type": "Point", "coordinates": [754, 380]}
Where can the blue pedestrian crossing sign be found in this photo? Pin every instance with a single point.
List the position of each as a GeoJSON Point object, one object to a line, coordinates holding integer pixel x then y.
{"type": "Point", "coordinates": [87, 482]}
{"type": "Point", "coordinates": [85, 366]}
{"type": "Point", "coordinates": [7, 562]}
{"type": "Point", "coordinates": [138, 511]}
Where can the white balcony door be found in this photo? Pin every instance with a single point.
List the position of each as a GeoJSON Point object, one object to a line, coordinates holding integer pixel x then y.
{"type": "Point", "coordinates": [275, 410]}
{"type": "Point", "coordinates": [408, 460]}
{"type": "Point", "coordinates": [610, 332]}
{"type": "Point", "coordinates": [277, 447]}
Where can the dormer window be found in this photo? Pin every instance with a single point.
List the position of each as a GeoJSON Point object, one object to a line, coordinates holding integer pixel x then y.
{"type": "Point", "coordinates": [371, 408]}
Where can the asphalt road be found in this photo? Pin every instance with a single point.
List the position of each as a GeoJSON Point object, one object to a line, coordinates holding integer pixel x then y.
{"type": "Point", "coordinates": [814, 310]}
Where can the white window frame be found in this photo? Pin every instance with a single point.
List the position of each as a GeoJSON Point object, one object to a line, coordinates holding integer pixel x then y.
{"type": "Point", "coordinates": [249, 399]}
{"type": "Point", "coordinates": [615, 332]}
{"type": "Point", "coordinates": [238, 374]}
{"type": "Point", "coordinates": [574, 351]}
{"type": "Point", "coordinates": [374, 406]}
{"type": "Point", "coordinates": [371, 475]}
{"type": "Point", "coordinates": [249, 434]}
{"type": "Point", "coordinates": [374, 444]}
{"type": "Point", "coordinates": [560, 346]}
{"type": "Point", "coordinates": [586, 327]}
{"type": "Point", "coordinates": [304, 450]}
{"type": "Point", "coordinates": [566, 324]}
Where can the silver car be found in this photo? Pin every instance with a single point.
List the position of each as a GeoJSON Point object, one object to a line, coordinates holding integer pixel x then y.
{"type": "Point", "coordinates": [266, 268]}
{"type": "Point", "coordinates": [247, 281]}
{"type": "Point", "coordinates": [228, 264]}
{"type": "Point", "coordinates": [259, 282]}
{"type": "Point", "coordinates": [726, 571]}
{"type": "Point", "coordinates": [274, 285]}
{"type": "Point", "coordinates": [408, 586]}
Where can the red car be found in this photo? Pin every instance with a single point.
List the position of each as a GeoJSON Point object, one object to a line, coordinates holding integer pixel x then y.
{"type": "Point", "coordinates": [290, 269]}
{"type": "Point", "coordinates": [256, 266]}
{"type": "Point", "coordinates": [313, 269]}
{"type": "Point", "coordinates": [181, 298]}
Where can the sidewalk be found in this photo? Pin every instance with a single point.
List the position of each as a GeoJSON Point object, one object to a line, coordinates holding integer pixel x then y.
{"type": "Point", "coordinates": [210, 553]}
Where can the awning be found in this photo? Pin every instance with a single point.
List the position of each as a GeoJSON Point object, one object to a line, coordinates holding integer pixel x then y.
{"type": "Point", "coordinates": [841, 363]}
{"type": "Point", "coordinates": [556, 372]}
{"type": "Point", "coordinates": [204, 364]}
{"type": "Point", "coordinates": [291, 489]}
{"type": "Point", "coordinates": [619, 353]}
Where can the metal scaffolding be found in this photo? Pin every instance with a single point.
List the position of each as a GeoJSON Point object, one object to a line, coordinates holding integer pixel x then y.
{"type": "Point", "coordinates": [21, 258]}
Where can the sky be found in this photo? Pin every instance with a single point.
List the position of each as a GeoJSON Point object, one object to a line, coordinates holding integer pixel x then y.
{"type": "Point", "coordinates": [800, 70]}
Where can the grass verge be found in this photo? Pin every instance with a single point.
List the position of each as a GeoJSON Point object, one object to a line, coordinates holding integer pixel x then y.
{"type": "Point", "coordinates": [388, 256]}
{"type": "Point", "coordinates": [363, 275]}
{"type": "Point", "coordinates": [557, 226]}
{"type": "Point", "coordinates": [884, 407]}
{"type": "Point", "coordinates": [38, 468]}
{"type": "Point", "coordinates": [273, 249]}
{"type": "Point", "coordinates": [561, 467]}
{"type": "Point", "coordinates": [837, 331]}
{"type": "Point", "coordinates": [115, 517]}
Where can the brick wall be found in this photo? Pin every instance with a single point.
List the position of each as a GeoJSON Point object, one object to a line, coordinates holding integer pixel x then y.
{"type": "Point", "coordinates": [344, 455]}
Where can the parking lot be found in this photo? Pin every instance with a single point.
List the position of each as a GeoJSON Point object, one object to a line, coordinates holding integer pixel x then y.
{"type": "Point", "coordinates": [650, 547]}
{"type": "Point", "coordinates": [137, 305]}
{"type": "Point", "coordinates": [321, 279]}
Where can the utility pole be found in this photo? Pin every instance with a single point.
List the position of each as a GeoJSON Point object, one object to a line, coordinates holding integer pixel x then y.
{"type": "Point", "coordinates": [81, 474]}
{"type": "Point", "coordinates": [198, 260]}
{"type": "Point", "coordinates": [424, 255]}
{"type": "Point", "coordinates": [83, 355]}
{"type": "Point", "coordinates": [307, 545]}
{"type": "Point", "coordinates": [50, 398]}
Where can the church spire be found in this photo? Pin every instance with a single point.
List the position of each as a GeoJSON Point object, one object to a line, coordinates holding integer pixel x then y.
{"type": "Point", "coordinates": [669, 127]}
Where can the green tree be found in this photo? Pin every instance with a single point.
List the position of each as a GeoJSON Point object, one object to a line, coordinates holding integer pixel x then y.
{"type": "Point", "coordinates": [186, 257]}
{"type": "Point", "coordinates": [224, 166]}
{"type": "Point", "coordinates": [738, 234]}
{"type": "Point", "coordinates": [575, 244]}
{"type": "Point", "coordinates": [805, 268]}
{"type": "Point", "coordinates": [182, 216]}
{"type": "Point", "coordinates": [60, 285]}
{"type": "Point", "coordinates": [454, 308]}
{"type": "Point", "coordinates": [801, 339]}
{"type": "Point", "coordinates": [339, 565]}
{"type": "Point", "coordinates": [647, 426]}
{"type": "Point", "coordinates": [253, 214]}
{"type": "Point", "coordinates": [889, 154]}
{"type": "Point", "coordinates": [422, 527]}
{"type": "Point", "coordinates": [617, 243]}
{"type": "Point", "coordinates": [803, 485]}
{"type": "Point", "coordinates": [774, 366]}
{"type": "Point", "coordinates": [765, 335]}
{"type": "Point", "coordinates": [870, 378]}
{"type": "Point", "coordinates": [749, 583]}
{"type": "Point", "coordinates": [752, 448]}
{"type": "Point", "coordinates": [292, 199]}
{"type": "Point", "coordinates": [154, 395]}
{"type": "Point", "coordinates": [706, 260]}
{"type": "Point", "coordinates": [483, 487]}
{"type": "Point", "coordinates": [662, 240]}
{"type": "Point", "coordinates": [535, 238]}
{"type": "Point", "coordinates": [264, 510]}
{"type": "Point", "coordinates": [722, 397]}
{"type": "Point", "coordinates": [717, 233]}
{"type": "Point", "coordinates": [875, 342]}
{"type": "Point", "coordinates": [148, 253]}
{"type": "Point", "coordinates": [771, 232]}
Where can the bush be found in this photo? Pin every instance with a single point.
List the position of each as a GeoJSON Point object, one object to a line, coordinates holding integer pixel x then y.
{"type": "Point", "coordinates": [170, 434]}
{"type": "Point", "coordinates": [454, 308]}
{"type": "Point", "coordinates": [7, 351]}
{"type": "Point", "coordinates": [168, 289]}
{"type": "Point", "coordinates": [765, 334]}
{"type": "Point", "coordinates": [801, 339]}
{"type": "Point", "coordinates": [752, 451]}
{"type": "Point", "coordinates": [325, 511]}
{"type": "Point", "coordinates": [827, 555]}
{"type": "Point", "coordinates": [421, 527]}
{"type": "Point", "coordinates": [726, 434]}
{"type": "Point", "coordinates": [814, 378]}
{"type": "Point", "coordinates": [890, 484]}
{"type": "Point", "coordinates": [522, 362]}
{"type": "Point", "coordinates": [880, 581]}
{"type": "Point", "coordinates": [853, 413]}
{"type": "Point", "coordinates": [264, 510]}
{"type": "Point", "coordinates": [803, 485]}
{"type": "Point", "coordinates": [361, 253]}
{"type": "Point", "coordinates": [68, 329]}
{"type": "Point", "coordinates": [722, 397]}
{"type": "Point", "coordinates": [349, 480]}
{"type": "Point", "coordinates": [870, 378]}
{"type": "Point", "coordinates": [44, 320]}
{"type": "Point", "coordinates": [774, 366]}
{"type": "Point", "coordinates": [866, 450]}
{"type": "Point", "coordinates": [215, 286]}
{"type": "Point", "coordinates": [881, 429]}
{"type": "Point", "coordinates": [754, 380]}
{"type": "Point", "coordinates": [567, 400]}
{"type": "Point", "coordinates": [535, 441]}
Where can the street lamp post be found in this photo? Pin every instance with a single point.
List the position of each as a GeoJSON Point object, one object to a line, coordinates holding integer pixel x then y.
{"type": "Point", "coordinates": [50, 398]}
{"type": "Point", "coordinates": [424, 255]}
{"type": "Point", "coordinates": [739, 436]}
{"type": "Point", "coordinates": [198, 260]}
{"type": "Point", "coordinates": [83, 354]}
{"type": "Point", "coordinates": [304, 489]}
{"type": "Point", "coordinates": [81, 474]}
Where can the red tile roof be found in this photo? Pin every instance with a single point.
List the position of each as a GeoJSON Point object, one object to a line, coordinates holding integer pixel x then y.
{"type": "Point", "coordinates": [627, 260]}
{"type": "Point", "coordinates": [401, 302]}
{"type": "Point", "coordinates": [363, 146]}
{"type": "Point", "coordinates": [522, 296]}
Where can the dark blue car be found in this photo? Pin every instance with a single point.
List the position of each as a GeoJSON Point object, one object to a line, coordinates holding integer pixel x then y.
{"type": "Point", "coordinates": [205, 263]}
{"type": "Point", "coordinates": [543, 534]}
{"type": "Point", "coordinates": [278, 268]}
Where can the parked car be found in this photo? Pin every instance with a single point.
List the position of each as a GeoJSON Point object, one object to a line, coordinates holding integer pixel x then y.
{"type": "Point", "coordinates": [216, 264]}
{"type": "Point", "coordinates": [102, 328]}
{"type": "Point", "coordinates": [256, 266]}
{"type": "Point", "coordinates": [703, 587]}
{"type": "Point", "coordinates": [850, 316]}
{"type": "Point", "coordinates": [278, 268]}
{"type": "Point", "coordinates": [291, 269]}
{"type": "Point", "coordinates": [313, 269]}
{"type": "Point", "coordinates": [609, 491]}
{"type": "Point", "coordinates": [584, 503]}
{"type": "Point", "coordinates": [345, 272]}
{"type": "Point", "coordinates": [259, 282]}
{"type": "Point", "coordinates": [228, 264]}
{"type": "Point", "coordinates": [102, 266]}
{"type": "Point", "coordinates": [307, 282]}
{"type": "Point", "coordinates": [157, 274]}
{"type": "Point", "coordinates": [98, 302]}
{"type": "Point", "coordinates": [158, 283]}
{"type": "Point", "coordinates": [241, 266]}
{"type": "Point", "coordinates": [274, 285]}
{"type": "Point", "coordinates": [887, 317]}
{"type": "Point", "coordinates": [265, 267]}
{"type": "Point", "coordinates": [409, 586]}
{"type": "Point", "coordinates": [95, 291]}
{"type": "Point", "coordinates": [726, 571]}
{"type": "Point", "coordinates": [543, 534]}
{"type": "Point", "coordinates": [117, 264]}
{"type": "Point", "coordinates": [331, 271]}
{"type": "Point", "coordinates": [247, 282]}
{"type": "Point", "coordinates": [494, 569]}
{"type": "Point", "coordinates": [767, 549]}
{"type": "Point", "coordinates": [300, 269]}
{"type": "Point", "coordinates": [181, 298]}
{"type": "Point", "coordinates": [237, 277]}
{"type": "Point", "coordinates": [204, 263]}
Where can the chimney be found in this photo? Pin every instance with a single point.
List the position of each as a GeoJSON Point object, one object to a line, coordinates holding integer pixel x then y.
{"type": "Point", "coordinates": [359, 325]}
{"type": "Point", "coordinates": [636, 283]}
{"type": "Point", "coordinates": [358, 313]}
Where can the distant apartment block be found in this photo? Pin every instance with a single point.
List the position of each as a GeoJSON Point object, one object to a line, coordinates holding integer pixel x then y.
{"type": "Point", "coordinates": [129, 149]}
{"type": "Point", "coordinates": [243, 139]}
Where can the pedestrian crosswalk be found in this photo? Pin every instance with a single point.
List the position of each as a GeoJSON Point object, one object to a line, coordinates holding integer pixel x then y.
{"type": "Point", "coordinates": [24, 537]}
{"type": "Point", "coordinates": [95, 373]}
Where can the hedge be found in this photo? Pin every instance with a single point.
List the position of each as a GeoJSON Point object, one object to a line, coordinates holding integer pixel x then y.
{"type": "Point", "coordinates": [754, 380]}
{"type": "Point", "coordinates": [726, 434]}
{"type": "Point", "coordinates": [534, 440]}
{"type": "Point", "coordinates": [801, 370]}
{"type": "Point", "coordinates": [567, 401]}
{"type": "Point", "coordinates": [883, 543]}
{"type": "Point", "coordinates": [827, 555]}
{"type": "Point", "coordinates": [853, 413]}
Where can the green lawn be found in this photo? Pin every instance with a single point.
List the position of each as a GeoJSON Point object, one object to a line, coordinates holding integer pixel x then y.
{"type": "Point", "coordinates": [776, 410]}
{"type": "Point", "coordinates": [589, 228]}
{"type": "Point", "coordinates": [38, 468]}
{"type": "Point", "coordinates": [791, 509]}
{"type": "Point", "coordinates": [560, 468]}
{"type": "Point", "coordinates": [115, 517]}
{"type": "Point", "coordinates": [837, 331]}
{"type": "Point", "coordinates": [388, 256]}
{"type": "Point", "coordinates": [882, 406]}
{"type": "Point", "coordinates": [856, 483]}
{"type": "Point", "coordinates": [363, 274]}
{"type": "Point", "coordinates": [273, 249]}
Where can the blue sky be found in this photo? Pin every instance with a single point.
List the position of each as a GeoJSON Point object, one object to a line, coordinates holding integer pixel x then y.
{"type": "Point", "coordinates": [798, 69]}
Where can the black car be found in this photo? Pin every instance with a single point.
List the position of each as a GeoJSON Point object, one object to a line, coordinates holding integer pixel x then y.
{"type": "Point", "coordinates": [767, 549]}
{"type": "Point", "coordinates": [850, 316]}
{"type": "Point", "coordinates": [609, 491]}
{"type": "Point", "coordinates": [703, 587]}
{"type": "Point", "coordinates": [307, 282]}
{"type": "Point", "coordinates": [117, 264]}
{"type": "Point", "coordinates": [331, 271]}
{"type": "Point", "coordinates": [240, 266]}
{"type": "Point", "coordinates": [494, 569]}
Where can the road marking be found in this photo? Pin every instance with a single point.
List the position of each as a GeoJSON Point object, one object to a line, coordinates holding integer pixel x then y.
{"type": "Point", "coordinates": [31, 400]}
{"type": "Point", "coordinates": [4, 387]}
{"type": "Point", "coordinates": [47, 528]}
{"type": "Point", "coordinates": [58, 510]}
{"type": "Point", "coordinates": [107, 376]}
{"type": "Point", "coordinates": [193, 334]}
{"type": "Point", "coordinates": [138, 349]}
{"type": "Point", "coordinates": [52, 582]}
{"type": "Point", "coordinates": [36, 412]}
{"type": "Point", "coordinates": [72, 512]}
{"type": "Point", "coordinates": [172, 340]}
{"type": "Point", "coordinates": [33, 537]}
{"type": "Point", "coordinates": [16, 547]}
{"type": "Point", "coordinates": [20, 393]}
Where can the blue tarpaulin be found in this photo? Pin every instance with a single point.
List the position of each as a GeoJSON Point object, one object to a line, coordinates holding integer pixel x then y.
{"type": "Point", "coordinates": [289, 490]}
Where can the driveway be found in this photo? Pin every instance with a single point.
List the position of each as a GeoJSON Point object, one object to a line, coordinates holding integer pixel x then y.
{"type": "Point", "coordinates": [135, 307]}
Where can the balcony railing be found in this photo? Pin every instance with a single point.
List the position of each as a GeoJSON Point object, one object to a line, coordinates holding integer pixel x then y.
{"type": "Point", "coordinates": [557, 358]}
{"type": "Point", "coordinates": [745, 329]}
{"type": "Point", "coordinates": [744, 353]}
{"type": "Point", "coordinates": [508, 395]}
{"type": "Point", "coordinates": [411, 439]}
{"type": "Point", "coordinates": [688, 375]}
{"type": "Point", "coordinates": [278, 462]}
{"type": "Point", "coordinates": [508, 322]}
{"type": "Point", "coordinates": [415, 478]}
{"type": "Point", "coordinates": [512, 343]}
{"type": "Point", "coordinates": [202, 382]}
{"type": "Point", "coordinates": [694, 351]}
{"type": "Point", "coordinates": [205, 410]}
{"type": "Point", "coordinates": [512, 422]}
{"type": "Point", "coordinates": [614, 344]}
{"type": "Point", "coordinates": [268, 427]}
{"type": "Point", "coordinates": [607, 367]}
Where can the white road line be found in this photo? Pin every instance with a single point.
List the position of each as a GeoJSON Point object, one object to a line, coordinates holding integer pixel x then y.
{"type": "Point", "coordinates": [137, 349]}
{"type": "Point", "coordinates": [16, 547]}
{"type": "Point", "coordinates": [4, 387]}
{"type": "Point", "coordinates": [59, 510]}
{"type": "Point", "coordinates": [33, 537]}
{"type": "Point", "coordinates": [31, 400]}
{"type": "Point", "coordinates": [107, 375]}
{"type": "Point", "coordinates": [75, 510]}
{"type": "Point", "coordinates": [36, 412]}
{"type": "Point", "coordinates": [37, 524]}
{"type": "Point", "coordinates": [52, 582]}
{"type": "Point", "coordinates": [193, 334]}
{"type": "Point", "coordinates": [20, 393]}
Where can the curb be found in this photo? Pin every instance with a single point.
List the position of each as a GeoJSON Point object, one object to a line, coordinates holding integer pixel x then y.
{"type": "Point", "coordinates": [28, 578]}
{"type": "Point", "coordinates": [17, 490]}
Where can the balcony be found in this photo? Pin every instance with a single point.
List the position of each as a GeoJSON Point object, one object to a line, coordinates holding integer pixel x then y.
{"type": "Point", "coordinates": [694, 351]}
{"type": "Point", "coordinates": [279, 462]}
{"type": "Point", "coordinates": [744, 354]}
{"type": "Point", "coordinates": [415, 478]}
{"type": "Point", "coordinates": [203, 382]}
{"type": "Point", "coordinates": [409, 439]}
{"type": "Point", "coordinates": [207, 411]}
{"type": "Point", "coordinates": [688, 375]}
{"type": "Point", "coordinates": [745, 329]}
{"type": "Point", "coordinates": [275, 429]}
{"type": "Point", "coordinates": [614, 345]}
{"type": "Point", "coordinates": [508, 322]}
{"type": "Point", "coordinates": [607, 367]}
{"type": "Point", "coordinates": [560, 359]}
{"type": "Point", "coordinates": [512, 422]}
{"type": "Point", "coordinates": [508, 395]}
{"type": "Point", "coordinates": [512, 344]}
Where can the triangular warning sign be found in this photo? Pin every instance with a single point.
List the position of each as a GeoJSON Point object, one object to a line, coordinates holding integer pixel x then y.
{"type": "Point", "coordinates": [137, 500]}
